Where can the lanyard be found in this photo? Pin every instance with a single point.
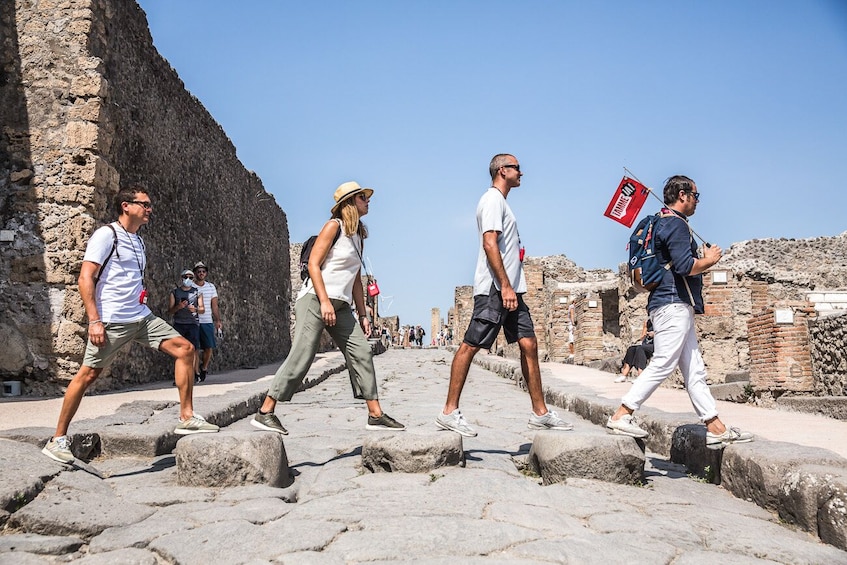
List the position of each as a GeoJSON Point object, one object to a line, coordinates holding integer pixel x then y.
{"type": "Point", "coordinates": [141, 267]}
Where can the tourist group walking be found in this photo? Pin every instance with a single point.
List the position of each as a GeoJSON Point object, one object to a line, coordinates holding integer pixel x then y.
{"type": "Point", "coordinates": [111, 284]}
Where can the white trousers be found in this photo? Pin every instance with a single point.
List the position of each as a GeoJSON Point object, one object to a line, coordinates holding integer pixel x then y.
{"type": "Point", "coordinates": [675, 344]}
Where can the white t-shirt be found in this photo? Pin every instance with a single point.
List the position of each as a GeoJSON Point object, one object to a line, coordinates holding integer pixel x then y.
{"type": "Point", "coordinates": [121, 282]}
{"type": "Point", "coordinates": [208, 291]}
{"type": "Point", "coordinates": [494, 214]}
{"type": "Point", "coordinates": [340, 269]}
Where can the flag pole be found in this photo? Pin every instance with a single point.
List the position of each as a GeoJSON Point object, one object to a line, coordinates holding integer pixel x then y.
{"type": "Point", "coordinates": [650, 190]}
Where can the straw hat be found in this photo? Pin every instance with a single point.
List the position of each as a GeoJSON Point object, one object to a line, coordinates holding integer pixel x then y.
{"type": "Point", "coordinates": [348, 190]}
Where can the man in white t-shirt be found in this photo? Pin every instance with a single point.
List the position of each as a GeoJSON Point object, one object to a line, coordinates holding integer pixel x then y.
{"type": "Point", "coordinates": [499, 286]}
{"type": "Point", "coordinates": [210, 320]}
{"type": "Point", "coordinates": [111, 285]}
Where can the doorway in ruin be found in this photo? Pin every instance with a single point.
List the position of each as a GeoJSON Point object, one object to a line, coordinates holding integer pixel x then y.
{"type": "Point", "coordinates": [611, 312]}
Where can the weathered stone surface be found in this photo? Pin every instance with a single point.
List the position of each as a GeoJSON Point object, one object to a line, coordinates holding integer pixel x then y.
{"type": "Point", "coordinates": [557, 455]}
{"type": "Point", "coordinates": [42, 545]}
{"type": "Point", "coordinates": [815, 497]}
{"type": "Point", "coordinates": [412, 452]}
{"type": "Point", "coordinates": [688, 447]}
{"type": "Point", "coordinates": [756, 471]}
{"type": "Point", "coordinates": [732, 392]}
{"type": "Point", "coordinates": [77, 504]}
{"type": "Point", "coordinates": [14, 355]}
{"type": "Point", "coordinates": [829, 406]}
{"type": "Point", "coordinates": [128, 556]}
{"type": "Point", "coordinates": [88, 104]}
{"type": "Point", "coordinates": [23, 474]}
{"type": "Point", "coordinates": [232, 458]}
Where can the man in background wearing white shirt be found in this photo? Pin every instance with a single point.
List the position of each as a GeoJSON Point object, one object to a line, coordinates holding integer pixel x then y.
{"type": "Point", "coordinates": [210, 320]}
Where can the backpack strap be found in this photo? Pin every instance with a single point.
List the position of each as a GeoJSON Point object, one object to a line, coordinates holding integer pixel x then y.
{"type": "Point", "coordinates": [114, 251]}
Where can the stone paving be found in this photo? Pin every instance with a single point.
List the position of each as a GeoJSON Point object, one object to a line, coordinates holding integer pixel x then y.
{"type": "Point", "coordinates": [492, 510]}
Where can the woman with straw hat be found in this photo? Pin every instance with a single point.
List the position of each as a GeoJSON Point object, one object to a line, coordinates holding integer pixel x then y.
{"type": "Point", "coordinates": [324, 302]}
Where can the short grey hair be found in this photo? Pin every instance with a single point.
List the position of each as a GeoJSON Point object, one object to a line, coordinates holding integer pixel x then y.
{"type": "Point", "coordinates": [498, 161]}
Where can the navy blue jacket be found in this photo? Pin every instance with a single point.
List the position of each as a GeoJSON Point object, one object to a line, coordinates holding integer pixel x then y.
{"type": "Point", "coordinates": [674, 242]}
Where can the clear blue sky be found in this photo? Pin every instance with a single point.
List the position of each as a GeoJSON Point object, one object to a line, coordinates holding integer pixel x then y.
{"type": "Point", "coordinates": [412, 98]}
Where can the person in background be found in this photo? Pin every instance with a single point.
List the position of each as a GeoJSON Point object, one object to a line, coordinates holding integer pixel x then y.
{"type": "Point", "coordinates": [210, 319]}
{"type": "Point", "coordinates": [185, 304]}
{"type": "Point", "coordinates": [638, 354]}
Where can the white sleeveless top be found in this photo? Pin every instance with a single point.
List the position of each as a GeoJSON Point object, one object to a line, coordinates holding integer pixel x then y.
{"type": "Point", "coordinates": [340, 269]}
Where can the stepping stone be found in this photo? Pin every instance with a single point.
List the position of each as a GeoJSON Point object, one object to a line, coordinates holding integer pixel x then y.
{"type": "Point", "coordinates": [557, 456]}
{"type": "Point", "coordinates": [226, 459]}
{"type": "Point", "coordinates": [410, 452]}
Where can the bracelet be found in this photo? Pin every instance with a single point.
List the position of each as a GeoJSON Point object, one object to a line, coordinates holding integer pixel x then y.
{"type": "Point", "coordinates": [92, 322]}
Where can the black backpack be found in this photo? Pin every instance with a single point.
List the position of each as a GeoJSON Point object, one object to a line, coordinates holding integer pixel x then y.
{"type": "Point", "coordinates": [307, 251]}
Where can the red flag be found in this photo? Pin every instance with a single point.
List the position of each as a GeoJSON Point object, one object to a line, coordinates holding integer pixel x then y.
{"type": "Point", "coordinates": [627, 201]}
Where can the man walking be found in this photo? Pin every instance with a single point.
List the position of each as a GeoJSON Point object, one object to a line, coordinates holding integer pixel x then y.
{"type": "Point", "coordinates": [499, 286]}
{"type": "Point", "coordinates": [210, 320]}
{"type": "Point", "coordinates": [111, 285]}
{"type": "Point", "coordinates": [671, 307]}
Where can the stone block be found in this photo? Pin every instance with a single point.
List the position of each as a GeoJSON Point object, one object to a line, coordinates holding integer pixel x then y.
{"type": "Point", "coordinates": [756, 471]}
{"type": "Point", "coordinates": [228, 459]}
{"type": "Point", "coordinates": [410, 452]}
{"type": "Point", "coordinates": [830, 406]}
{"type": "Point", "coordinates": [556, 456]}
{"type": "Point", "coordinates": [688, 447]}
{"type": "Point", "coordinates": [82, 135]}
{"type": "Point", "coordinates": [814, 497]}
{"type": "Point", "coordinates": [731, 392]}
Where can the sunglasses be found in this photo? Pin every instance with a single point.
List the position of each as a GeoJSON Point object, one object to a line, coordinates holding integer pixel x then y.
{"type": "Point", "coordinates": [696, 195]}
{"type": "Point", "coordinates": [516, 167]}
{"type": "Point", "coordinates": [146, 204]}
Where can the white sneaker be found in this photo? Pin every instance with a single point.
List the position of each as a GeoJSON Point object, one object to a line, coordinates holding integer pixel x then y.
{"type": "Point", "coordinates": [731, 435]}
{"type": "Point", "coordinates": [549, 421]}
{"type": "Point", "coordinates": [626, 426]}
{"type": "Point", "coordinates": [621, 379]}
{"type": "Point", "coordinates": [455, 422]}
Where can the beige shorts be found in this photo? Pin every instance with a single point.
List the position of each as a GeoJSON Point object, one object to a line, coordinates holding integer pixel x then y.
{"type": "Point", "coordinates": [151, 331]}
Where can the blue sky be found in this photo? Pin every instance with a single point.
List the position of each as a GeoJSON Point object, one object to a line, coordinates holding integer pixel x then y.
{"type": "Point", "coordinates": [413, 98]}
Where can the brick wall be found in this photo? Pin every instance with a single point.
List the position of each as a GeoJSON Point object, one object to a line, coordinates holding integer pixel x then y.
{"type": "Point", "coordinates": [780, 359]}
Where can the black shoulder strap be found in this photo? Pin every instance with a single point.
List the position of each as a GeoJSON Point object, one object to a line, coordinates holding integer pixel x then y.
{"type": "Point", "coordinates": [114, 250]}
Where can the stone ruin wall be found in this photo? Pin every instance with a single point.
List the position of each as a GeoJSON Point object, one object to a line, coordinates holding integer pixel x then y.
{"type": "Point", "coordinates": [88, 105]}
{"type": "Point", "coordinates": [751, 280]}
{"type": "Point", "coordinates": [829, 354]}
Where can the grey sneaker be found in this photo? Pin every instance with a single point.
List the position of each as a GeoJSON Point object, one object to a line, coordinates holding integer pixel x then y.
{"type": "Point", "coordinates": [626, 426]}
{"type": "Point", "coordinates": [384, 422]}
{"type": "Point", "coordinates": [731, 435]}
{"type": "Point", "coordinates": [455, 422]}
{"type": "Point", "coordinates": [195, 425]}
{"type": "Point", "coordinates": [59, 449]}
{"type": "Point", "coordinates": [268, 422]}
{"type": "Point", "coordinates": [549, 421]}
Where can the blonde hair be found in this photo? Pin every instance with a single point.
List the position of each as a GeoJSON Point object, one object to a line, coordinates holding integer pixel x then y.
{"type": "Point", "coordinates": [349, 215]}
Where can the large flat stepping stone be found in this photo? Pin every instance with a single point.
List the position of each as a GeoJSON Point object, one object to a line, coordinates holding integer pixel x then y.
{"type": "Point", "coordinates": [411, 452]}
{"type": "Point", "coordinates": [557, 455]}
{"type": "Point", "coordinates": [227, 459]}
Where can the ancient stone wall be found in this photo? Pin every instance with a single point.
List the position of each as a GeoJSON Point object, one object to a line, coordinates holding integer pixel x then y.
{"type": "Point", "coordinates": [88, 105]}
{"type": "Point", "coordinates": [828, 336]}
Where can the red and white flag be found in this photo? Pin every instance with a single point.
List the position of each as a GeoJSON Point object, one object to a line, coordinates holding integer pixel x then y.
{"type": "Point", "coordinates": [627, 201]}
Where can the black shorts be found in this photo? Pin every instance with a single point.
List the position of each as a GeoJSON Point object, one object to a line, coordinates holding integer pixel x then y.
{"type": "Point", "coordinates": [489, 316]}
{"type": "Point", "coordinates": [191, 332]}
